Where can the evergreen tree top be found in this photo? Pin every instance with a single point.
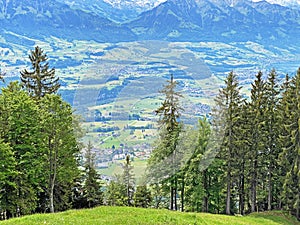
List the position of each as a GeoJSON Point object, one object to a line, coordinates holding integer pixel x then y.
{"type": "Point", "coordinates": [41, 80]}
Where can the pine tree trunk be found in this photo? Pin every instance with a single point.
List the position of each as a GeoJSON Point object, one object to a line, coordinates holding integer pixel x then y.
{"type": "Point", "coordinates": [270, 190]}
{"type": "Point", "coordinates": [182, 194]}
{"type": "Point", "coordinates": [242, 193]}
{"type": "Point", "coordinates": [171, 196]}
{"type": "Point", "coordinates": [253, 189]}
{"type": "Point", "coordinates": [298, 206]}
{"type": "Point", "coordinates": [205, 204]}
{"type": "Point", "coordinates": [228, 193]}
{"type": "Point", "coordinates": [205, 197]}
{"type": "Point", "coordinates": [175, 193]}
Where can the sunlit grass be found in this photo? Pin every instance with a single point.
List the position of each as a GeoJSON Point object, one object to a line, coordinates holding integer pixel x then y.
{"type": "Point", "coordinates": [132, 216]}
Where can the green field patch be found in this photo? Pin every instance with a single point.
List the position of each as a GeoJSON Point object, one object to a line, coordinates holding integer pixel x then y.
{"type": "Point", "coordinates": [138, 216]}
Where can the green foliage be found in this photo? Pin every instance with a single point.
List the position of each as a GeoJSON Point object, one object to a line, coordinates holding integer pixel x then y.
{"type": "Point", "coordinates": [169, 132]}
{"type": "Point", "coordinates": [116, 193]}
{"type": "Point", "coordinates": [120, 190]}
{"type": "Point", "coordinates": [93, 195]}
{"type": "Point", "coordinates": [128, 180]}
{"type": "Point", "coordinates": [7, 174]}
{"type": "Point", "coordinates": [20, 129]}
{"type": "Point", "coordinates": [60, 148]}
{"type": "Point", "coordinates": [142, 197]}
{"type": "Point", "coordinates": [41, 80]}
{"type": "Point", "coordinates": [290, 139]}
{"type": "Point", "coordinates": [40, 144]}
{"type": "Point", "coordinates": [227, 122]}
{"type": "Point", "coordinates": [256, 136]}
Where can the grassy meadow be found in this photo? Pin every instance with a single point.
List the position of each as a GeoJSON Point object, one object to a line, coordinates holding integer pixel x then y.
{"type": "Point", "coordinates": [129, 215]}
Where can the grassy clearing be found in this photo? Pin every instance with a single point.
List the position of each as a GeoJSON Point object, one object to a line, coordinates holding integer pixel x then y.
{"type": "Point", "coordinates": [132, 216]}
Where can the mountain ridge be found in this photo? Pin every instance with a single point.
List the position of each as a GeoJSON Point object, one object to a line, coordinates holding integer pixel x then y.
{"type": "Point", "coordinates": [205, 20]}
{"type": "Point", "coordinates": [172, 20]}
{"type": "Point", "coordinates": [54, 18]}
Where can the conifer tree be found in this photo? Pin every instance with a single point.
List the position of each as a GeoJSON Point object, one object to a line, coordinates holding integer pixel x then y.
{"type": "Point", "coordinates": [226, 117]}
{"type": "Point", "coordinates": [290, 140]}
{"type": "Point", "coordinates": [128, 180]}
{"type": "Point", "coordinates": [142, 196]}
{"type": "Point", "coordinates": [257, 136]}
{"type": "Point", "coordinates": [116, 192]}
{"type": "Point", "coordinates": [92, 186]}
{"type": "Point", "coordinates": [197, 180]}
{"type": "Point", "coordinates": [170, 127]}
{"type": "Point", "coordinates": [41, 80]}
{"type": "Point", "coordinates": [242, 156]}
{"type": "Point", "coordinates": [272, 146]}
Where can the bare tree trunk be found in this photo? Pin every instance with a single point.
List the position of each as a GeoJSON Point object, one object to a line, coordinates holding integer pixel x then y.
{"type": "Point", "coordinates": [242, 195]}
{"type": "Point", "coordinates": [182, 194]}
{"type": "Point", "coordinates": [298, 206]}
{"type": "Point", "coordinates": [253, 187]}
{"type": "Point", "coordinates": [205, 197]}
{"type": "Point", "coordinates": [171, 196]}
{"type": "Point", "coordinates": [52, 198]}
{"type": "Point", "coordinates": [52, 177]}
{"type": "Point", "coordinates": [228, 194]}
{"type": "Point", "coordinates": [270, 190]}
{"type": "Point", "coordinates": [175, 193]}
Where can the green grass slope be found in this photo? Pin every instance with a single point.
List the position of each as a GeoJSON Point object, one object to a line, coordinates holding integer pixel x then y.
{"type": "Point", "coordinates": [132, 216]}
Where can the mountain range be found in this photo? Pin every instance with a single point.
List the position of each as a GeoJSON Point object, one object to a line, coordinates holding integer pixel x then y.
{"type": "Point", "coordinates": [171, 20]}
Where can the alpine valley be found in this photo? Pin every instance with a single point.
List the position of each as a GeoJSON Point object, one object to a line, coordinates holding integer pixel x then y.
{"type": "Point", "coordinates": [113, 57]}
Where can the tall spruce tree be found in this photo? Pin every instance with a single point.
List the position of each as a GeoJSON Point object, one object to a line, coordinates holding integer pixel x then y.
{"type": "Point", "coordinates": [197, 180]}
{"type": "Point", "coordinates": [242, 157]}
{"type": "Point", "coordinates": [290, 140]}
{"type": "Point", "coordinates": [272, 145]}
{"type": "Point", "coordinates": [257, 136]}
{"type": "Point", "coordinates": [226, 117]}
{"type": "Point", "coordinates": [169, 130]}
{"type": "Point", "coordinates": [41, 80]}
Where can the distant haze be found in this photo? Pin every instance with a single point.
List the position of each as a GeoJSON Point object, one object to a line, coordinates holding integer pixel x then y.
{"type": "Point", "coordinates": [282, 2]}
{"type": "Point", "coordinates": [148, 3]}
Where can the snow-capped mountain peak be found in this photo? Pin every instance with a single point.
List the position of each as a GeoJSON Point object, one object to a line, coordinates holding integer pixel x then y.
{"type": "Point", "coordinates": [134, 3]}
{"type": "Point", "coordinates": [283, 2]}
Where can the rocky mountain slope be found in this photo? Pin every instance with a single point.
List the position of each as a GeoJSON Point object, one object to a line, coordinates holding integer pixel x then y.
{"type": "Point", "coordinates": [172, 20]}
{"type": "Point", "coordinates": [182, 20]}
